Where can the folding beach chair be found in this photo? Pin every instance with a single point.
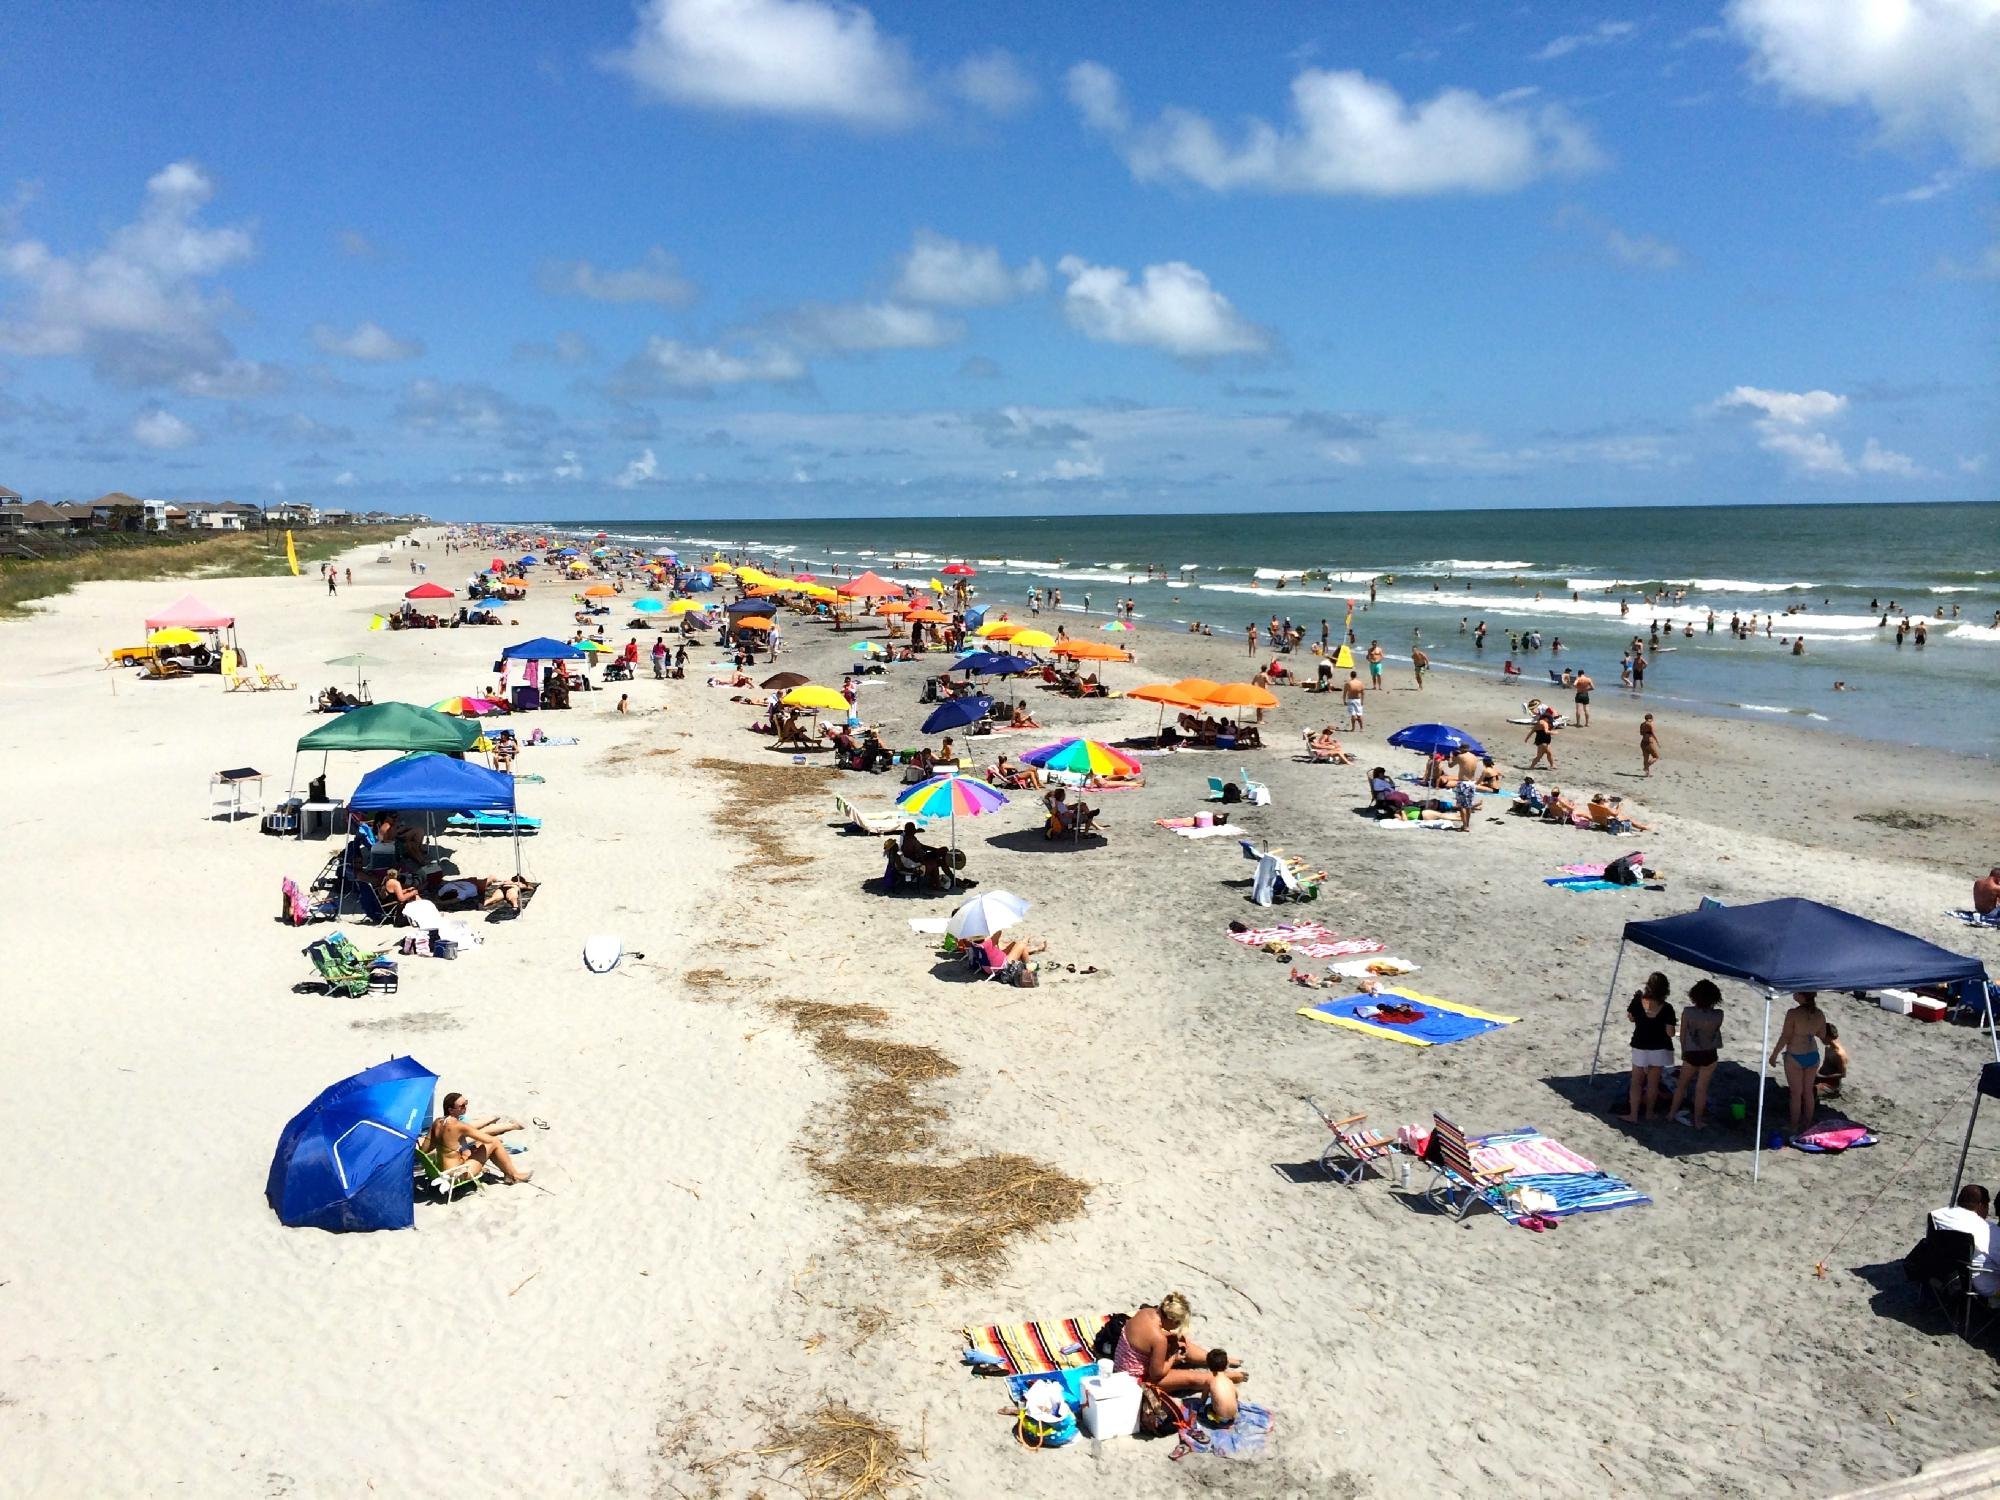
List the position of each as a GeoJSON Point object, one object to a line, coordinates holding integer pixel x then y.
{"type": "Point", "coordinates": [340, 966]}
{"type": "Point", "coordinates": [1353, 1148]}
{"type": "Point", "coordinates": [1256, 793]}
{"type": "Point", "coordinates": [1942, 1265]}
{"type": "Point", "coordinates": [877, 823]}
{"type": "Point", "coordinates": [446, 1181]}
{"type": "Point", "coordinates": [1456, 1184]}
{"type": "Point", "coordinates": [272, 681]}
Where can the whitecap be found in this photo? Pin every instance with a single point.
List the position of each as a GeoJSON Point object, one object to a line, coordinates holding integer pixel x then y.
{"type": "Point", "coordinates": [1479, 564]}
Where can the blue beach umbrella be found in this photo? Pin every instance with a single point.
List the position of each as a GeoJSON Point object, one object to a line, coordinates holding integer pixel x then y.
{"type": "Point", "coordinates": [1435, 739]}
{"type": "Point", "coordinates": [529, 559]}
{"type": "Point", "coordinates": [648, 606]}
{"type": "Point", "coordinates": [344, 1162]}
{"type": "Point", "coordinates": [956, 713]}
{"type": "Point", "coordinates": [992, 664]}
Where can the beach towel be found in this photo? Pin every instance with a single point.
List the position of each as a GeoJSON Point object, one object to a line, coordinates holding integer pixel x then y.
{"type": "Point", "coordinates": [1974, 919]}
{"type": "Point", "coordinates": [1556, 1181]}
{"type": "Point", "coordinates": [1366, 968]}
{"type": "Point", "coordinates": [1834, 1135]}
{"type": "Point", "coordinates": [1248, 1437]}
{"type": "Point", "coordinates": [929, 926]}
{"type": "Point", "coordinates": [1440, 1024]}
{"type": "Point", "coordinates": [1307, 940]}
{"type": "Point", "coordinates": [1637, 857]}
{"type": "Point", "coordinates": [1037, 1348]}
{"type": "Point", "coordinates": [1585, 883]}
{"type": "Point", "coordinates": [1203, 833]}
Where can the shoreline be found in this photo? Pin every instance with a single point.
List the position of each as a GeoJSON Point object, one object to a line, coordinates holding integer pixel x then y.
{"type": "Point", "coordinates": [697, 1246]}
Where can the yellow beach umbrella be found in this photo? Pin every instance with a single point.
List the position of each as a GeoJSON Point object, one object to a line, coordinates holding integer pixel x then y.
{"type": "Point", "coordinates": [1031, 639]}
{"type": "Point", "coordinates": [682, 607]}
{"type": "Point", "coordinates": [812, 695]}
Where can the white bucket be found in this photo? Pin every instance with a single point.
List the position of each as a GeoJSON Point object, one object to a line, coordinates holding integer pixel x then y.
{"type": "Point", "coordinates": [1110, 1406]}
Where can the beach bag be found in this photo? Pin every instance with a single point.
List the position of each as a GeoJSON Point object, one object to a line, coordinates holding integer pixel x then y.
{"type": "Point", "coordinates": [293, 908]}
{"type": "Point", "coordinates": [1045, 1419]}
{"type": "Point", "coordinates": [1232, 793]}
{"type": "Point", "coordinates": [1159, 1413]}
{"type": "Point", "coordinates": [1620, 871]}
{"type": "Point", "coordinates": [1105, 1345]}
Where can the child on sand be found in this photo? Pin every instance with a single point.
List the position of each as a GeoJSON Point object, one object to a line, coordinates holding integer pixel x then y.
{"type": "Point", "coordinates": [1221, 1391]}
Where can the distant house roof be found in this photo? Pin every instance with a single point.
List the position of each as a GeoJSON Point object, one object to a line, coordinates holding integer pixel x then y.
{"type": "Point", "coordinates": [116, 497]}
{"type": "Point", "coordinates": [7, 495]}
{"type": "Point", "coordinates": [41, 513]}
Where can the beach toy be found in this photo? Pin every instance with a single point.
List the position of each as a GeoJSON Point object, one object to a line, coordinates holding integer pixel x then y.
{"type": "Point", "coordinates": [1738, 1111]}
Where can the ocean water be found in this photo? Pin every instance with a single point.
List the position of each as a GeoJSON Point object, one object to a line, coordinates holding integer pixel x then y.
{"type": "Point", "coordinates": [1828, 573]}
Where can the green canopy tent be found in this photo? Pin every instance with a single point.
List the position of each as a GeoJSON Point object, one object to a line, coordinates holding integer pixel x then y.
{"type": "Point", "coordinates": [388, 726]}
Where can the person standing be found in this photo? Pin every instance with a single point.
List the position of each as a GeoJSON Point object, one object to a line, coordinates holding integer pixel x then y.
{"type": "Point", "coordinates": [1420, 662]}
{"type": "Point", "coordinates": [1701, 1049]}
{"type": "Point", "coordinates": [659, 656]}
{"type": "Point", "coordinates": [1542, 733]}
{"type": "Point", "coordinates": [1352, 694]}
{"type": "Point", "coordinates": [1465, 797]}
{"type": "Point", "coordinates": [1375, 665]}
{"type": "Point", "coordinates": [1251, 632]}
{"type": "Point", "coordinates": [1802, 1045]}
{"type": "Point", "coordinates": [1324, 631]}
{"type": "Point", "coordinates": [1649, 745]}
{"type": "Point", "coordinates": [1583, 686]}
{"type": "Point", "coordinates": [332, 584]}
{"type": "Point", "coordinates": [1638, 669]}
{"type": "Point", "coordinates": [1653, 1025]}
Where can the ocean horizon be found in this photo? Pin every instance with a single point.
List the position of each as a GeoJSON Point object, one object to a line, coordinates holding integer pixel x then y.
{"type": "Point", "coordinates": [1841, 576]}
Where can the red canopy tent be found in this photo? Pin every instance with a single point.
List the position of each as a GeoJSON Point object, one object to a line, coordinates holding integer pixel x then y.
{"type": "Point", "coordinates": [190, 613]}
{"type": "Point", "coordinates": [429, 591]}
{"type": "Point", "coordinates": [870, 585]}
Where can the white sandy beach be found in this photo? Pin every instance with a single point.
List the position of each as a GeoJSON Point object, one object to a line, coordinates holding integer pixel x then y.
{"type": "Point", "coordinates": [678, 1284]}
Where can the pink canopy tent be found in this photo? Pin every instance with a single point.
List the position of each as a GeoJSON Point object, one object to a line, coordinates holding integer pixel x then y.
{"type": "Point", "coordinates": [190, 613]}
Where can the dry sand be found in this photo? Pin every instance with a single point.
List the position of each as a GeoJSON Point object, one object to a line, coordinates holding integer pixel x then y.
{"type": "Point", "coordinates": [694, 1273]}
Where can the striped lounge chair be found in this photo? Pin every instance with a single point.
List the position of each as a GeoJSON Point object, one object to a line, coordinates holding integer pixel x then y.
{"type": "Point", "coordinates": [1456, 1184]}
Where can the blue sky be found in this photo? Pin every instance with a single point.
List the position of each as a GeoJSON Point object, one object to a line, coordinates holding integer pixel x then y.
{"type": "Point", "coordinates": [702, 257]}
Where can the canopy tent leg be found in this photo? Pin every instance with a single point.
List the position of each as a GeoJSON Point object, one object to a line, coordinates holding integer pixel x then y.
{"type": "Point", "coordinates": [1992, 1028]}
{"type": "Point", "coordinates": [1965, 1150]}
{"type": "Point", "coordinates": [1763, 1070]}
{"type": "Point", "coordinates": [292, 782]}
{"type": "Point", "coordinates": [1610, 994]}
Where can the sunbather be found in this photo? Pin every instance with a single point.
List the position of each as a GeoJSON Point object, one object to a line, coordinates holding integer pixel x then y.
{"type": "Point", "coordinates": [1154, 1347]}
{"type": "Point", "coordinates": [1487, 778]}
{"type": "Point", "coordinates": [395, 893]}
{"type": "Point", "coordinates": [1383, 794]}
{"type": "Point", "coordinates": [1326, 746]}
{"type": "Point", "coordinates": [1608, 814]}
{"type": "Point", "coordinates": [467, 892]}
{"type": "Point", "coordinates": [1067, 817]}
{"type": "Point", "coordinates": [1557, 808]}
{"type": "Point", "coordinates": [1012, 776]}
{"type": "Point", "coordinates": [456, 1141]}
{"type": "Point", "coordinates": [931, 858]}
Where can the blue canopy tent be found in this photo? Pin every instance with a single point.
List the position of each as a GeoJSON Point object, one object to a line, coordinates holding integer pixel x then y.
{"type": "Point", "coordinates": [542, 648]}
{"type": "Point", "coordinates": [1793, 944]}
{"type": "Point", "coordinates": [437, 784]}
{"type": "Point", "coordinates": [346, 1161]}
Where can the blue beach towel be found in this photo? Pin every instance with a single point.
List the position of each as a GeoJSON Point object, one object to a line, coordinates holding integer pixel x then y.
{"type": "Point", "coordinates": [1585, 883]}
{"type": "Point", "coordinates": [1441, 1024]}
{"type": "Point", "coordinates": [1249, 1437]}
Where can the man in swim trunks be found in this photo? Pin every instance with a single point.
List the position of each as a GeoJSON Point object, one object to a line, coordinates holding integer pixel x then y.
{"type": "Point", "coordinates": [1583, 687]}
{"type": "Point", "coordinates": [1986, 893]}
{"type": "Point", "coordinates": [1375, 664]}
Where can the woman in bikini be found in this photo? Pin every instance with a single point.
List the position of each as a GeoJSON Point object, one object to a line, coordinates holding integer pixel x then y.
{"type": "Point", "coordinates": [1802, 1044]}
{"type": "Point", "coordinates": [457, 1142]}
{"type": "Point", "coordinates": [1153, 1347]}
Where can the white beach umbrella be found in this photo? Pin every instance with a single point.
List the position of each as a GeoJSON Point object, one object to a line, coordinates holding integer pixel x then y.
{"type": "Point", "coordinates": [985, 914]}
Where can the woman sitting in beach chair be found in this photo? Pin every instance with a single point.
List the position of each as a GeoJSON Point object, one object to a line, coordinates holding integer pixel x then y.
{"type": "Point", "coordinates": [1022, 719]}
{"type": "Point", "coordinates": [1324, 748]}
{"type": "Point", "coordinates": [1383, 795]}
{"type": "Point", "coordinates": [1006, 961]}
{"type": "Point", "coordinates": [1068, 819]}
{"type": "Point", "coordinates": [458, 1145]}
{"type": "Point", "coordinates": [1530, 800]}
{"type": "Point", "coordinates": [1608, 815]}
{"type": "Point", "coordinates": [1013, 777]}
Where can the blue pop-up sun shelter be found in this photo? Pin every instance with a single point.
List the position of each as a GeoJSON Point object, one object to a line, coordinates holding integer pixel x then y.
{"type": "Point", "coordinates": [542, 648]}
{"type": "Point", "coordinates": [346, 1160]}
{"type": "Point", "coordinates": [437, 784]}
{"type": "Point", "coordinates": [1789, 945]}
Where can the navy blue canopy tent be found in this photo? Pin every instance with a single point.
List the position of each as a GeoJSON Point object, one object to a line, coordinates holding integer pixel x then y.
{"type": "Point", "coordinates": [347, 1160]}
{"type": "Point", "coordinates": [1793, 944]}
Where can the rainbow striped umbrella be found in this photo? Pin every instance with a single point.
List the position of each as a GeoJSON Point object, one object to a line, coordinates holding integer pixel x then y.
{"type": "Point", "coordinates": [948, 796]}
{"type": "Point", "coordinates": [1081, 757]}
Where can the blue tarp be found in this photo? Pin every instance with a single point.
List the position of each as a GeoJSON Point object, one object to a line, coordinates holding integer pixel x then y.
{"type": "Point", "coordinates": [1795, 944]}
{"type": "Point", "coordinates": [542, 648]}
{"type": "Point", "coordinates": [345, 1161]}
{"type": "Point", "coordinates": [433, 783]}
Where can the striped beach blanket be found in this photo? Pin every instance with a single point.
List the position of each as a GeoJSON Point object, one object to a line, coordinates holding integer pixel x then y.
{"type": "Point", "coordinates": [1576, 1183]}
{"type": "Point", "coordinates": [1308, 940]}
{"type": "Point", "coordinates": [1037, 1348]}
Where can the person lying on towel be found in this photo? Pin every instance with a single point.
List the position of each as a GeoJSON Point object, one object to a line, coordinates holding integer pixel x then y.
{"type": "Point", "coordinates": [475, 892]}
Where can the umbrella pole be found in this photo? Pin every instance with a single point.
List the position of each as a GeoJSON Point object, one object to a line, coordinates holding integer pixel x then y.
{"type": "Point", "coordinates": [1965, 1150]}
{"type": "Point", "coordinates": [1610, 994]}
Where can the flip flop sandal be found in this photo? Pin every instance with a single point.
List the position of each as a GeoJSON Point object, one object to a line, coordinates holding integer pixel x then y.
{"type": "Point", "coordinates": [538, 1122]}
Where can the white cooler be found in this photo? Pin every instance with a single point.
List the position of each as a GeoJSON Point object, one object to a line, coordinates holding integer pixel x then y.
{"type": "Point", "coordinates": [1110, 1406]}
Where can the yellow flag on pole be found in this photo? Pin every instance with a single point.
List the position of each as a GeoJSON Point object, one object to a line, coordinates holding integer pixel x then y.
{"type": "Point", "coordinates": [291, 554]}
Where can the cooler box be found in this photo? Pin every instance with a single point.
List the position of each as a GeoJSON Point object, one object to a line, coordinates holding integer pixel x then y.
{"type": "Point", "coordinates": [1927, 1010]}
{"type": "Point", "coordinates": [1896, 1002]}
{"type": "Point", "coordinates": [1110, 1406]}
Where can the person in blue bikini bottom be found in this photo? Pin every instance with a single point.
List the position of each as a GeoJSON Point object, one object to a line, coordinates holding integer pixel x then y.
{"type": "Point", "coordinates": [1802, 1044]}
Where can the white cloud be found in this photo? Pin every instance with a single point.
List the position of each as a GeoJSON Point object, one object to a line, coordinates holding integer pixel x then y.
{"type": "Point", "coordinates": [160, 429]}
{"type": "Point", "coordinates": [567, 348]}
{"type": "Point", "coordinates": [1348, 134]}
{"type": "Point", "coordinates": [1983, 267]}
{"type": "Point", "coordinates": [1790, 424]}
{"type": "Point", "coordinates": [1601, 35]}
{"type": "Point", "coordinates": [1875, 459]}
{"type": "Point", "coordinates": [657, 278]}
{"type": "Point", "coordinates": [1171, 307]}
{"type": "Point", "coordinates": [1088, 466]}
{"type": "Point", "coordinates": [951, 273]}
{"type": "Point", "coordinates": [645, 469]}
{"type": "Point", "coordinates": [135, 308]}
{"type": "Point", "coordinates": [370, 343]}
{"type": "Point", "coordinates": [1923, 67]}
{"type": "Point", "coordinates": [817, 59]}
{"type": "Point", "coordinates": [868, 327]}
{"type": "Point", "coordinates": [1936, 185]}
{"type": "Point", "coordinates": [1643, 252]}
{"type": "Point", "coordinates": [1972, 464]}
{"type": "Point", "coordinates": [1786, 408]}
{"type": "Point", "coordinates": [994, 82]}
{"type": "Point", "coordinates": [356, 246]}
{"type": "Point", "coordinates": [692, 369]}
{"type": "Point", "coordinates": [570, 467]}
{"type": "Point", "coordinates": [346, 479]}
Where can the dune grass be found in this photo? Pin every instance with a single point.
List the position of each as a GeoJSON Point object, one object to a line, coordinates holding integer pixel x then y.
{"type": "Point", "coordinates": [134, 558]}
